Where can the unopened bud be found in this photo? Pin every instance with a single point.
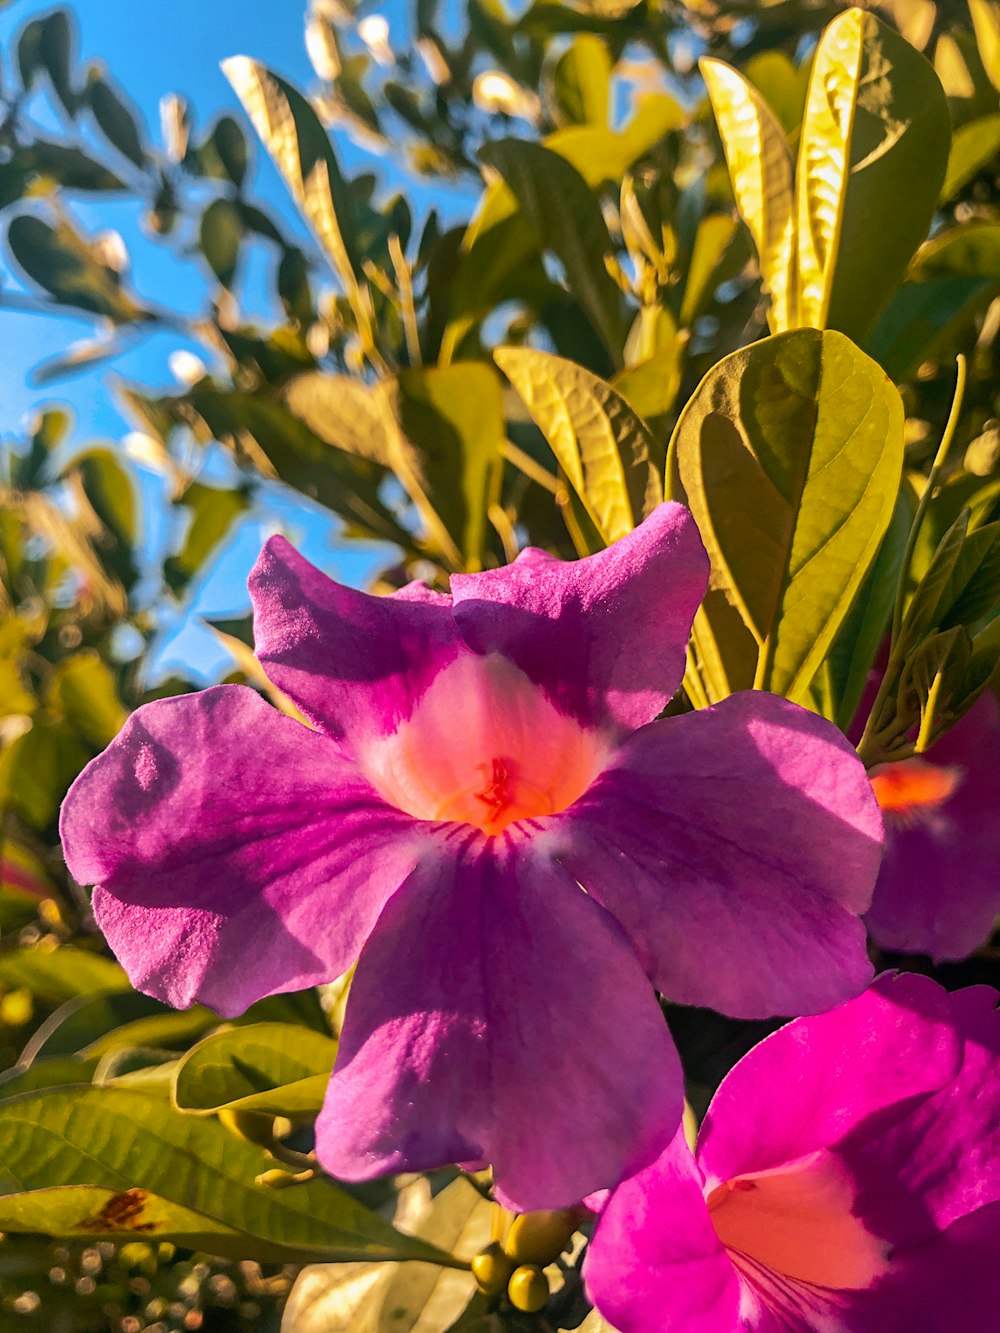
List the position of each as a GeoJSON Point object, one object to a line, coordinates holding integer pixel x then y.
{"type": "Point", "coordinates": [528, 1289]}
{"type": "Point", "coordinates": [492, 1269]}
{"type": "Point", "coordinates": [540, 1238]}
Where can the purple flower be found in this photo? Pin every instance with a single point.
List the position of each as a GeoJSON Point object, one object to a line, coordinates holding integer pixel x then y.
{"type": "Point", "coordinates": [475, 760]}
{"type": "Point", "coordinates": [938, 891]}
{"type": "Point", "coordinates": [847, 1179]}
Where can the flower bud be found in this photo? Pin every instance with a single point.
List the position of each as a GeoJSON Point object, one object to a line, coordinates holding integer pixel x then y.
{"type": "Point", "coordinates": [492, 1269]}
{"type": "Point", "coordinates": [540, 1238]}
{"type": "Point", "coordinates": [528, 1289]}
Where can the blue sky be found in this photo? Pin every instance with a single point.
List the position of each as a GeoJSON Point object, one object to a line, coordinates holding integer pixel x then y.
{"type": "Point", "coordinates": [150, 49]}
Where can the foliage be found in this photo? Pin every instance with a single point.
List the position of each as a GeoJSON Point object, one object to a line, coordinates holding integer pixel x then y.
{"type": "Point", "coordinates": [745, 288]}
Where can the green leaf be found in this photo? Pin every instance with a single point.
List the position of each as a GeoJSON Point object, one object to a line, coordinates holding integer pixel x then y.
{"type": "Point", "coordinates": [451, 419]}
{"type": "Point", "coordinates": [36, 770]}
{"type": "Point", "coordinates": [214, 510]}
{"type": "Point", "coordinates": [718, 253]}
{"type": "Point", "coordinates": [109, 491]}
{"type": "Point", "coordinates": [56, 1072]}
{"type": "Point", "coordinates": [84, 690]}
{"type": "Point", "coordinates": [872, 157]}
{"type": "Point", "coordinates": [61, 261]}
{"type": "Point", "coordinates": [986, 22]}
{"type": "Point", "coordinates": [69, 167]}
{"type": "Point", "coordinates": [220, 237]}
{"type": "Point", "coordinates": [566, 217]}
{"type": "Point", "coordinates": [760, 167]}
{"type": "Point", "coordinates": [48, 43]}
{"type": "Point", "coordinates": [789, 455]}
{"type": "Point", "coordinates": [57, 975]}
{"type": "Point", "coordinates": [345, 413]}
{"type": "Point", "coordinates": [973, 147]}
{"type": "Point", "coordinates": [95, 1021]}
{"type": "Point", "coordinates": [581, 81]}
{"type": "Point", "coordinates": [606, 451]}
{"type": "Point", "coordinates": [271, 1067]}
{"type": "Point", "coordinates": [106, 1163]}
{"type": "Point", "coordinates": [292, 133]}
{"type": "Point", "coordinates": [856, 646]}
{"type": "Point", "coordinates": [118, 124]}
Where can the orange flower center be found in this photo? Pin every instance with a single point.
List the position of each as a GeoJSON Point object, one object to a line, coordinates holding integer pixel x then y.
{"type": "Point", "coordinates": [796, 1221]}
{"type": "Point", "coordinates": [485, 747]}
{"type": "Point", "coordinates": [912, 788]}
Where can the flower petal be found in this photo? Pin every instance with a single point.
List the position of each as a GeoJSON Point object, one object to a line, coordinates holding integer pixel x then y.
{"type": "Point", "coordinates": [894, 1043]}
{"type": "Point", "coordinates": [938, 891]}
{"type": "Point", "coordinates": [497, 1014]}
{"type": "Point", "coordinates": [236, 852]}
{"type": "Point", "coordinates": [951, 1282]}
{"type": "Point", "coordinates": [749, 825]}
{"type": "Point", "coordinates": [655, 1264]}
{"type": "Point", "coordinates": [926, 1169]}
{"type": "Point", "coordinates": [353, 663]}
{"type": "Point", "coordinates": [605, 636]}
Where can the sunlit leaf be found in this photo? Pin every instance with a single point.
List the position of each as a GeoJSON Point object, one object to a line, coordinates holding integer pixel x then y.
{"type": "Point", "coordinates": [104, 1163]}
{"type": "Point", "coordinates": [57, 975]}
{"type": "Point", "coordinates": [789, 455]}
{"type": "Point", "coordinates": [605, 450]}
{"type": "Point", "coordinates": [581, 81]}
{"type": "Point", "coordinates": [269, 1067]}
{"type": "Point", "coordinates": [213, 510]}
{"type": "Point", "coordinates": [872, 158]}
{"type": "Point", "coordinates": [761, 170]}
{"type": "Point", "coordinates": [973, 147]}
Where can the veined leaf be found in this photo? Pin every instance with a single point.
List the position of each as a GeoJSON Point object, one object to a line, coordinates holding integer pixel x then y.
{"type": "Point", "coordinates": [344, 412]}
{"type": "Point", "coordinates": [760, 167]}
{"type": "Point", "coordinates": [275, 1067]}
{"type": "Point", "coordinates": [293, 135]}
{"type": "Point", "coordinates": [789, 455]}
{"type": "Point", "coordinates": [605, 450]}
{"type": "Point", "coordinates": [110, 1163]}
{"type": "Point", "coordinates": [872, 158]}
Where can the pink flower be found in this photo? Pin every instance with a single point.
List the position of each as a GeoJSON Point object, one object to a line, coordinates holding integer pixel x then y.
{"type": "Point", "coordinates": [938, 891]}
{"type": "Point", "coordinates": [847, 1180]}
{"type": "Point", "coordinates": [475, 760]}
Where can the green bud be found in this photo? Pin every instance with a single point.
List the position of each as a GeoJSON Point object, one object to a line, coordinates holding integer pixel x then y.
{"type": "Point", "coordinates": [539, 1238]}
{"type": "Point", "coordinates": [492, 1269]}
{"type": "Point", "coordinates": [528, 1289]}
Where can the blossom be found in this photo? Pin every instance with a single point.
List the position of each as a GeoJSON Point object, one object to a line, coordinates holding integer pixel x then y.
{"type": "Point", "coordinates": [846, 1179]}
{"type": "Point", "coordinates": [473, 760]}
{"type": "Point", "coordinates": [938, 891]}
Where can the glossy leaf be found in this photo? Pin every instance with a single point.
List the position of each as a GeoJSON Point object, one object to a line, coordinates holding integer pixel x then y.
{"type": "Point", "coordinates": [105, 1163]}
{"type": "Point", "coordinates": [761, 170]}
{"type": "Point", "coordinates": [872, 157]}
{"type": "Point", "coordinates": [292, 133]}
{"type": "Point", "coordinates": [789, 455]}
{"type": "Point", "coordinates": [605, 450]}
{"type": "Point", "coordinates": [275, 1067]}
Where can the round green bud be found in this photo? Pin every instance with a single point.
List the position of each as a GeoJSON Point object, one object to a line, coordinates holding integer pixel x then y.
{"type": "Point", "coordinates": [492, 1270]}
{"type": "Point", "coordinates": [528, 1289]}
{"type": "Point", "coordinates": [539, 1238]}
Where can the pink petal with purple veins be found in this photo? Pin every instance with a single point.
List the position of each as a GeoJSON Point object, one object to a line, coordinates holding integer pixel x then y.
{"type": "Point", "coordinates": [236, 852]}
{"type": "Point", "coordinates": [605, 637]}
{"type": "Point", "coordinates": [749, 821]}
{"type": "Point", "coordinates": [496, 1012]}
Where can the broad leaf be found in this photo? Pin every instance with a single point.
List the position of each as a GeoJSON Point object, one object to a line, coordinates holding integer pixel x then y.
{"type": "Point", "coordinates": [106, 1163]}
{"type": "Point", "coordinates": [274, 1067]}
{"type": "Point", "coordinates": [872, 158]}
{"type": "Point", "coordinates": [790, 455]}
{"type": "Point", "coordinates": [581, 81]}
{"type": "Point", "coordinates": [605, 450]}
{"type": "Point", "coordinates": [760, 167]}
{"type": "Point", "coordinates": [61, 261]}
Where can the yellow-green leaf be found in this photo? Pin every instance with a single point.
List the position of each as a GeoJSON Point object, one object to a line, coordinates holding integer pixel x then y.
{"type": "Point", "coordinates": [605, 450]}
{"type": "Point", "coordinates": [760, 167]}
{"type": "Point", "coordinates": [789, 455]}
{"type": "Point", "coordinates": [872, 157]}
